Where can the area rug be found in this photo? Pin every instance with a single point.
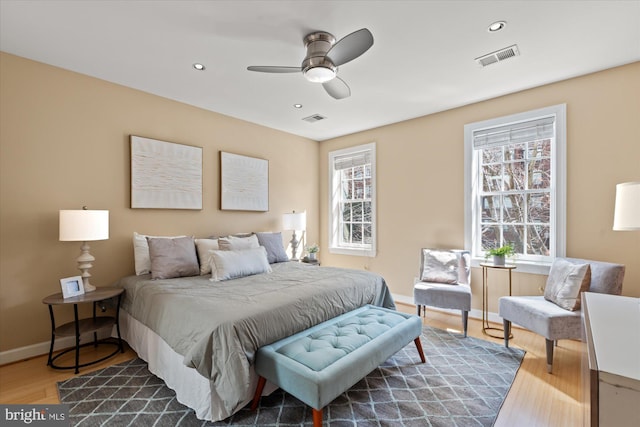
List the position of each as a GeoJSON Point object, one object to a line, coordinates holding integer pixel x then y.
{"type": "Point", "coordinates": [463, 383]}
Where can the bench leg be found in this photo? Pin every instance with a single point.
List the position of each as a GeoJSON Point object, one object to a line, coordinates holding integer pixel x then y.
{"type": "Point", "coordinates": [256, 398]}
{"type": "Point", "coordinates": [317, 417]}
{"type": "Point", "coordinates": [419, 347]}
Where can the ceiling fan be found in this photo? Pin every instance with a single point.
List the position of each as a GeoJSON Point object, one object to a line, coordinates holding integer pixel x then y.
{"type": "Point", "coordinates": [324, 56]}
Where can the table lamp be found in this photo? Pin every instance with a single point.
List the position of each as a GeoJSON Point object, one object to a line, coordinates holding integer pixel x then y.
{"type": "Point", "coordinates": [294, 221]}
{"type": "Point", "coordinates": [627, 210]}
{"type": "Point", "coordinates": [84, 226]}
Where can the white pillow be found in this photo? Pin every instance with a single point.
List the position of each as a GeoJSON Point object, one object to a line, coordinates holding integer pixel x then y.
{"type": "Point", "coordinates": [141, 252]}
{"type": "Point", "coordinates": [204, 257]}
{"type": "Point", "coordinates": [233, 264]}
{"type": "Point", "coordinates": [233, 243]}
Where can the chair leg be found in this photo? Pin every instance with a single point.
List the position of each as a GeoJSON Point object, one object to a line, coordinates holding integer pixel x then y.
{"type": "Point", "coordinates": [549, 355]}
{"type": "Point", "coordinates": [506, 325]}
{"type": "Point", "coordinates": [418, 305]}
{"type": "Point", "coordinates": [465, 321]}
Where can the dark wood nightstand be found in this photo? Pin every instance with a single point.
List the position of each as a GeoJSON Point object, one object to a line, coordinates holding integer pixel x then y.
{"type": "Point", "coordinates": [306, 260]}
{"type": "Point", "coordinates": [83, 326]}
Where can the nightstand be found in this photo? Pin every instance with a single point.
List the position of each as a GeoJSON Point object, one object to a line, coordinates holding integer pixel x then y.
{"type": "Point", "coordinates": [306, 260]}
{"type": "Point", "coordinates": [83, 326]}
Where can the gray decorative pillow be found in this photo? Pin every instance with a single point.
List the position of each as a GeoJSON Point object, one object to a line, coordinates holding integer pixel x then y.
{"type": "Point", "coordinates": [227, 265]}
{"type": "Point", "coordinates": [234, 243]}
{"type": "Point", "coordinates": [566, 282]}
{"type": "Point", "coordinates": [203, 246]}
{"type": "Point", "coordinates": [173, 257]}
{"type": "Point", "coordinates": [439, 266]}
{"type": "Point", "coordinates": [272, 242]}
{"type": "Point", "coordinates": [141, 252]}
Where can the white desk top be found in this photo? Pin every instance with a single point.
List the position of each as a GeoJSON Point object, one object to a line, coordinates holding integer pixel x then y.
{"type": "Point", "coordinates": [615, 328]}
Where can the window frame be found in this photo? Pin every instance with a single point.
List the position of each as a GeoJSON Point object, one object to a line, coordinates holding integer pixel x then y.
{"type": "Point", "coordinates": [557, 220]}
{"type": "Point", "coordinates": [334, 213]}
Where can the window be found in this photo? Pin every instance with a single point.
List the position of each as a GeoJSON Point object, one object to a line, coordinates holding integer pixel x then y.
{"type": "Point", "coordinates": [352, 200]}
{"type": "Point", "coordinates": [515, 186]}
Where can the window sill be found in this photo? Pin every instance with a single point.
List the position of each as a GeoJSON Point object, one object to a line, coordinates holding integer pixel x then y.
{"type": "Point", "coordinates": [354, 252]}
{"type": "Point", "coordinates": [521, 266]}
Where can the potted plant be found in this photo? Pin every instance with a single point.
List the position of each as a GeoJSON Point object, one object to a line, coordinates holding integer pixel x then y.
{"type": "Point", "coordinates": [313, 250]}
{"type": "Point", "coordinates": [499, 254]}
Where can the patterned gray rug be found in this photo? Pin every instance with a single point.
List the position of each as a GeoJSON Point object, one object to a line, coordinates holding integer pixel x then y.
{"type": "Point", "coordinates": [463, 383]}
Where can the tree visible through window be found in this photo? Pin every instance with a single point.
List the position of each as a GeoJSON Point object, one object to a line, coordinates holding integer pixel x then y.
{"type": "Point", "coordinates": [515, 197]}
{"type": "Point", "coordinates": [352, 200]}
{"type": "Point", "coordinates": [514, 185]}
{"type": "Point", "coordinates": [355, 183]}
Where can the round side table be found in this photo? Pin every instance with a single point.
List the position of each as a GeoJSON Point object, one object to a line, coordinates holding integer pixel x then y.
{"type": "Point", "coordinates": [486, 328]}
{"type": "Point", "coordinates": [83, 326]}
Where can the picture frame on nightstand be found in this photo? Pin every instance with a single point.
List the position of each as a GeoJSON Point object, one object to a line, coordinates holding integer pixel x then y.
{"type": "Point", "coordinates": [72, 286]}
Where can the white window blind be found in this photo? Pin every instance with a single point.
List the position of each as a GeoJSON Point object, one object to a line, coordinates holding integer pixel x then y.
{"type": "Point", "coordinates": [352, 160]}
{"type": "Point", "coordinates": [532, 130]}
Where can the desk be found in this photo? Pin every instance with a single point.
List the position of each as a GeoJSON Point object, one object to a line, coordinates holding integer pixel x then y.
{"type": "Point", "coordinates": [83, 326]}
{"type": "Point", "coordinates": [486, 329]}
{"type": "Point", "coordinates": [611, 364]}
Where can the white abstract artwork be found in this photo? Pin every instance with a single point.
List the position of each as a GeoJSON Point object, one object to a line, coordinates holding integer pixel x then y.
{"type": "Point", "coordinates": [165, 175]}
{"type": "Point", "coordinates": [244, 183]}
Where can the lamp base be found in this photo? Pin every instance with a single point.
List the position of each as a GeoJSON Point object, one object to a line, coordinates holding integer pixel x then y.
{"type": "Point", "coordinates": [88, 287]}
{"type": "Point", "coordinates": [84, 264]}
{"type": "Point", "coordinates": [294, 246]}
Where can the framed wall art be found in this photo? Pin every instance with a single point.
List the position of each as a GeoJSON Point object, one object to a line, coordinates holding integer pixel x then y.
{"type": "Point", "coordinates": [165, 175]}
{"type": "Point", "coordinates": [244, 183]}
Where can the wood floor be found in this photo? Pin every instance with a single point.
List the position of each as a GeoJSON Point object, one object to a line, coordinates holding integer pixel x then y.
{"type": "Point", "coordinates": [535, 399]}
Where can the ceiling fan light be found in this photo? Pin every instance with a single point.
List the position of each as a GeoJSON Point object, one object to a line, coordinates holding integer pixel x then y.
{"type": "Point", "coordinates": [319, 74]}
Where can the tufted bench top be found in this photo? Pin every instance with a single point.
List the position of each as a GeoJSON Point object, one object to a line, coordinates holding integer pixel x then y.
{"type": "Point", "coordinates": [320, 348]}
{"type": "Point", "coordinates": [322, 362]}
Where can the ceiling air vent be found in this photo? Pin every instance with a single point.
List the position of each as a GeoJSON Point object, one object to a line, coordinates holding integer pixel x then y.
{"type": "Point", "coordinates": [314, 118]}
{"type": "Point", "coordinates": [498, 56]}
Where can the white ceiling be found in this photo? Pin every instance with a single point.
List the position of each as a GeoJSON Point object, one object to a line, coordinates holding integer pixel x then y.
{"type": "Point", "coordinates": [422, 60]}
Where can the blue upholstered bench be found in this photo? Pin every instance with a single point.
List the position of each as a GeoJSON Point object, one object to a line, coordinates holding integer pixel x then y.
{"type": "Point", "coordinates": [319, 364]}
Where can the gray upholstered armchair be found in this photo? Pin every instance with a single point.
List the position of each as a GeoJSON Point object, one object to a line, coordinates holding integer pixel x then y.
{"type": "Point", "coordinates": [445, 277]}
{"type": "Point", "coordinates": [551, 320]}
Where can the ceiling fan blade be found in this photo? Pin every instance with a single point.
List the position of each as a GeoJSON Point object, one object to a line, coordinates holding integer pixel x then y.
{"type": "Point", "coordinates": [337, 88]}
{"type": "Point", "coordinates": [272, 69]}
{"type": "Point", "coordinates": [350, 47]}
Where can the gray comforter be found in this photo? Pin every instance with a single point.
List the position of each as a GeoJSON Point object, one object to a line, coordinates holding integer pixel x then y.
{"type": "Point", "coordinates": [218, 326]}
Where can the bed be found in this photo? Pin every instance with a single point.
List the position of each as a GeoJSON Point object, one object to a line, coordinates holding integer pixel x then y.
{"type": "Point", "coordinates": [201, 336]}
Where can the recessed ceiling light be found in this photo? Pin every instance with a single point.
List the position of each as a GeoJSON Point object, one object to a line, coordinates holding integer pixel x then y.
{"type": "Point", "coordinates": [199, 66]}
{"type": "Point", "coordinates": [297, 105]}
{"type": "Point", "coordinates": [497, 26]}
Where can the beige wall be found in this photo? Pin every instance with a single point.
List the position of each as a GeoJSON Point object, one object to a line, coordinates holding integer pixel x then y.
{"type": "Point", "coordinates": [64, 143]}
{"type": "Point", "coordinates": [420, 183]}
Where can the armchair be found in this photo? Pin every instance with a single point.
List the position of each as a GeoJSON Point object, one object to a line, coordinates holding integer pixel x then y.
{"type": "Point", "coordinates": [445, 277]}
{"type": "Point", "coordinates": [552, 321]}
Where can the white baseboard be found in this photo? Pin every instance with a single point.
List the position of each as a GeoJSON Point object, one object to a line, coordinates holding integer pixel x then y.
{"type": "Point", "coordinates": [33, 350]}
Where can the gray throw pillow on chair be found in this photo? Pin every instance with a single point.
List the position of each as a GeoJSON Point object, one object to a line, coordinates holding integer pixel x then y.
{"type": "Point", "coordinates": [566, 282]}
{"type": "Point", "coordinates": [439, 266]}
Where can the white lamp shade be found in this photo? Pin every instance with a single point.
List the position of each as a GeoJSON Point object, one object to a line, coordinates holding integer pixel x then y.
{"type": "Point", "coordinates": [83, 225]}
{"type": "Point", "coordinates": [627, 213]}
{"type": "Point", "coordinates": [294, 221]}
